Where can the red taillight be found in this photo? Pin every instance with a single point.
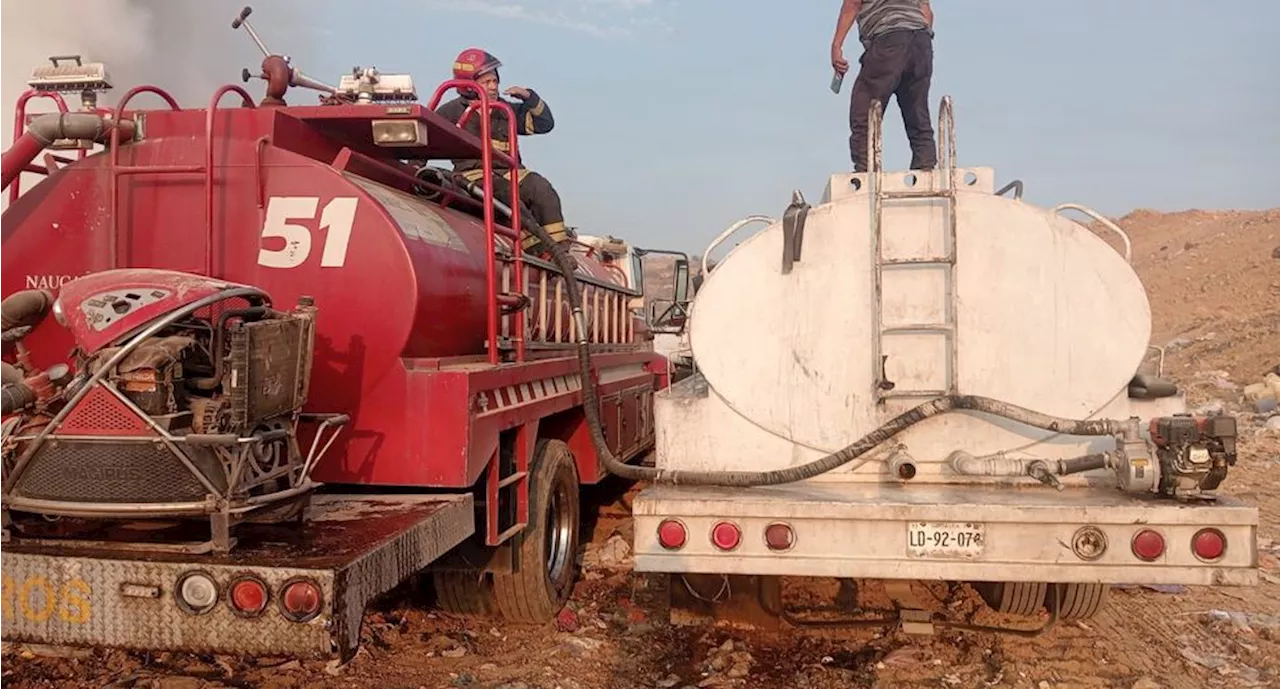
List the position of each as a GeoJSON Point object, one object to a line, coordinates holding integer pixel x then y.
{"type": "Point", "coordinates": [248, 596]}
{"type": "Point", "coordinates": [300, 600]}
{"type": "Point", "coordinates": [779, 537]}
{"type": "Point", "coordinates": [1209, 544]}
{"type": "Point", "coordinates": [1148, 545]}
{"type": "Point", "coordinates": [671, 534]}
{"type": "Point", "coordinates": [726, 536]}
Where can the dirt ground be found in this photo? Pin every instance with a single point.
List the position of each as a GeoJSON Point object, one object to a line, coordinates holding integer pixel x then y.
{"type": "Point", "coordinates": [1215, 294]}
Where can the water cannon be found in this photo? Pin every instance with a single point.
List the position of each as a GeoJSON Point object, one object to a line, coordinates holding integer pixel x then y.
{"type": "Point", "coordinates": [85, 79]}
{"type": "Point", "coordinates": [277, 70]}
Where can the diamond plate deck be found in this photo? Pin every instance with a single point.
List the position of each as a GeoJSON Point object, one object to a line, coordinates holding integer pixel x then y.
{"type": "Point", "coordinates": [353, 547]}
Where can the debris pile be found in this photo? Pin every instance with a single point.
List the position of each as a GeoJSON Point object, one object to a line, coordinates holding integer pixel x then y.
{"type": "Point", "coordinates": [1264, 396]}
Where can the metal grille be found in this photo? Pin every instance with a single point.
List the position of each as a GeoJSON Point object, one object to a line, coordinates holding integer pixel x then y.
{"type": "Point", "coordinates": [101, 413]}
{"type": "Point", "coordinates": [108, 472]}
{"type": "Point", "coordinates": [268, 365]}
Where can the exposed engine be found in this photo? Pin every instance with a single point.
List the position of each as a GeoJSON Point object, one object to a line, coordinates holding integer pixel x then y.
{"type": "Point", "coordinates": [1194, 452]}
{"type": "Point", "coordinates": [1185, 456]}
{"type": "Point", "coordinates": [185, 402]}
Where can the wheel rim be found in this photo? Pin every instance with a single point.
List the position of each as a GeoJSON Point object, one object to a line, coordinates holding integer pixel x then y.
{"type": "Point", "coordinates": [559, 546]}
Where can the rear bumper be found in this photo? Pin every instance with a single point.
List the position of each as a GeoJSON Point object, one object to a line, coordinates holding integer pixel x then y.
{"type": "Point", "coordinates": [861, 531]}
{"type": "Point", "coordinates": [353, 547]}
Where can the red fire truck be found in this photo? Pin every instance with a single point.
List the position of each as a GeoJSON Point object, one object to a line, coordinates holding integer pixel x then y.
{"type": "Point", "coordinates": [290, 364]}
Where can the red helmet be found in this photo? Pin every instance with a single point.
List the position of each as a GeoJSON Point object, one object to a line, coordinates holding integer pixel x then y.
{"type": "Point", "coordinates": [473, 63]}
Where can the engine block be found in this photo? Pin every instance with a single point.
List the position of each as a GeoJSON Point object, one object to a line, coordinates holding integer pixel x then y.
{"type": "Point", "coordinates": [189, 407]}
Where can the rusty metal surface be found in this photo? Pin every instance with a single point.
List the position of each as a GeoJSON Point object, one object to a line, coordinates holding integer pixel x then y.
{"type": "Point", "coordinates": [86, 471]}
{"type": "Point", "coordinates": [266, 361]}
{"type": "Point", "coordinates": [354, 547]}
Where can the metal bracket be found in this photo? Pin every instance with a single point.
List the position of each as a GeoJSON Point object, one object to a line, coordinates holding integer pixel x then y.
{"type": "Point", "coordinates": [793, 230]}
{"type": "Point", "coordinates": [916, 622]}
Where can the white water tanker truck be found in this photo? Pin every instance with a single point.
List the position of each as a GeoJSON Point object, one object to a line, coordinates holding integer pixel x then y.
{"type": "Point", "coordinates": [923, 378]}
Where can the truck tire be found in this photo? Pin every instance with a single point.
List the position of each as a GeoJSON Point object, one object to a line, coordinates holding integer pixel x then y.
{"type": "Point", "coordinates": [549, 545]}
{"type": "Point", "coordinates": [1024, 598]}
{"type": "Point", "coordinates": [464, 593]}
{"type": "Point", "coordinates": [1079, 601]}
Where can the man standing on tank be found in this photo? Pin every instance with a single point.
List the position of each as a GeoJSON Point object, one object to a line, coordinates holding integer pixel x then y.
{"type": "Point", "coordinates": [897, 60]}
{"type": "Point", "coordinates": [532, 117]}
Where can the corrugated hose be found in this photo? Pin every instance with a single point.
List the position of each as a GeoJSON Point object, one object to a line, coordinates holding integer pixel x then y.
{"type": "Point", "coordinates": [743, 479]}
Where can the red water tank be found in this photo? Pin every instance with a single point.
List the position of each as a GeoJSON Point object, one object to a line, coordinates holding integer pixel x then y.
{"type": "Point", "coordinates": [297, 210]}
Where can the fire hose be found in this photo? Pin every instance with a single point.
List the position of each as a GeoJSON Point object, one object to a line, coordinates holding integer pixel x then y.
{"type": "Point", "coordinates": [16, 396]}
{"type": "Point", "coordinates": [743, 479]}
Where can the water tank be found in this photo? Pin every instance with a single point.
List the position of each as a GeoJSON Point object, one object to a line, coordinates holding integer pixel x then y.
{"type": "Point", "coordinates": [999, 298]}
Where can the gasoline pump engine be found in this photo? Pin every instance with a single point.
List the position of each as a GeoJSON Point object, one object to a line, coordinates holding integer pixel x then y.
{"type": "Point", "coordinates": [183, 402]}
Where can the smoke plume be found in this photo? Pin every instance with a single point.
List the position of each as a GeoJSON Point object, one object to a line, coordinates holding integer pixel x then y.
{"type": "Point", "coordinates": [184, 46]}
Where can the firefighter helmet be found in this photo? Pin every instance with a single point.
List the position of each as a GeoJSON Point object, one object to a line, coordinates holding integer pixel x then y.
{"type": "Point", "coordinates": [474, 63]}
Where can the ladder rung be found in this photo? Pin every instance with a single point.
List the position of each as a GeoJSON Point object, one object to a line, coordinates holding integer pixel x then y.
{"type": "Point", "coordinates": [931, 194]}
{"type": "Point", "coordinates": [511, 531]}
{"type": "Point", "coordinates": [518, 476]}
{"type": "Point", "coordinates": [927, 261]}
{"type": "Point", "coordinates": [914, 393]}
{"type": "Point", "coordinates": [920, 328]}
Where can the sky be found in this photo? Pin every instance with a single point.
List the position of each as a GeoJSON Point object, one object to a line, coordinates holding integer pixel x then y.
{"type": "Point", "coordinates": [674, 118]}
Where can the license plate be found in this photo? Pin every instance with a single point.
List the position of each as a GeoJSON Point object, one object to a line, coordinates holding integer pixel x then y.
{"type": "Point", "coordinates": [962, 540]}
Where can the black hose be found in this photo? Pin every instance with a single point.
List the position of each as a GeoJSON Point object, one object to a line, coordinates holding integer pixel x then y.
{"type": "Point", "coordinates": [1079, 465]}
{"type": "Point", "coordinates": [590, 404]}
{"type": "Point", "coordinates": [16, 397]}
{"type": "Point", "coordinates": [25, 308]}
{"type": "Point", "coordinates": [11, 375]}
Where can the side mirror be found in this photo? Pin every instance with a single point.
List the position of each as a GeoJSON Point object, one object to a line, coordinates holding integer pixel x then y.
{"type": "Point", "coordinates": [680, 289]}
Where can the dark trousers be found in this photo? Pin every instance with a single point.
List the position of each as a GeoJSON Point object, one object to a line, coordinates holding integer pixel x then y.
{"type": "Point", "coordinates": [542, 200]}
{"type": "Point", "coordinates": [897, 63]}
{"type": "Point", "coordinates": [536, 193]}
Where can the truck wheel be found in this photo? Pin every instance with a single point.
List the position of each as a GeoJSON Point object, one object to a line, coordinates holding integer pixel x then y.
{"type": "Point", "coordinates": [549, 544]}
{"type": "Point", "coordinates": [1079, 601]}
{"type": "Point", "coordinates": [464, 593]}
{"type": "Point", "coordinates": [1023, 598]}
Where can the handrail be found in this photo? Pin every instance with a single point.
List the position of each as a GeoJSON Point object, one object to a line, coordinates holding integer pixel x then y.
{"type": "Point", "coordinates": [486, 161]}
{"type": "Point", "coordinates": [947, 135]}
{"type": "Point", "coordinates": [246, 101]}
{"type": "Point", "coordinates": [113, 164]}
{"type": "Point", "coordinates": [1015, 186]}
{"type": "Point", "coordinates": [730, 230]}
{"type": "Point", "coordinates": [145, 88]}
{"type": "Point", "coordinates": [19, 125]}
{"type": "Point", "coordinates": [1128, 246]}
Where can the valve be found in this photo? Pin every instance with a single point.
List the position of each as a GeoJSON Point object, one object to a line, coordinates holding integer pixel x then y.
{"type": "Point", "coordinates": [277, 70]}
{"type": "Point", "coordinates": [243, 20]}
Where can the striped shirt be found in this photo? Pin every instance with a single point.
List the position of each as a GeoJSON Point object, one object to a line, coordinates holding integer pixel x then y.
{"type": "Point", "coordinates": [879, 16]}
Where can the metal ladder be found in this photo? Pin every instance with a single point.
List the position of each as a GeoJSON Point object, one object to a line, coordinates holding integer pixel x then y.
{"type": "Point", "coordinates": [886, 389]}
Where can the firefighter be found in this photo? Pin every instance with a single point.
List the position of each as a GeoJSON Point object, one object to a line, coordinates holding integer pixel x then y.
{"type": "Point", "coordinates": [897, 60]}
{"type": "Point", "coordinates": [532, 117]}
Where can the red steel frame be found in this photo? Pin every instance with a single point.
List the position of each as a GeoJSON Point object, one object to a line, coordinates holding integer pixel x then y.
{"type": "Point", "coordinates": [116, 170]}
{"type": "Point", "coordinates": [490, 224]}
{"type": "Point", "coordinates": [20, 125]}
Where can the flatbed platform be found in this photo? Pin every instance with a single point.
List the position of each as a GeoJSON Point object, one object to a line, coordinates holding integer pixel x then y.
{"type": "Point", "coordinates": [946, 532]}
{"type": "Point", "coordinates": [353, 547]}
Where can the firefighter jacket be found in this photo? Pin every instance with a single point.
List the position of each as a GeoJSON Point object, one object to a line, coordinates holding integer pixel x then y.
{"type": "Point", "coordinates": [532, 117]}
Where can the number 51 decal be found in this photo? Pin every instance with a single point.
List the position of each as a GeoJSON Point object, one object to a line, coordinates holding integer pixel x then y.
{"type": "Point", "coordinates": [338, 216]}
